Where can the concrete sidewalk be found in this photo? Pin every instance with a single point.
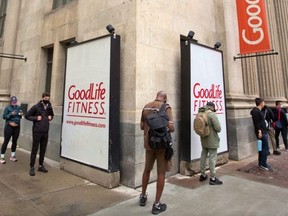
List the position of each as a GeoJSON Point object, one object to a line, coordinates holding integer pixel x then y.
{"type": "Point", "coordinates": [59, 193]}
{"type": "Point", "coordinates": [241, 194]}
{"type": "Point", "coordinates": [56, 193]}
{"type": "Point", "coordinates": [236, 197]}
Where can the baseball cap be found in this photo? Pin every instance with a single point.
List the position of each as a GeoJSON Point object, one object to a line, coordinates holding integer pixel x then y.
{"type": "Point", "coordinates": [13, 99]}
{"type": "Point", "coordinates": [212, 105]}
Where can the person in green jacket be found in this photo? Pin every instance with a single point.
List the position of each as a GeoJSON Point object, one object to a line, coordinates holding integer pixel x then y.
{"type": "Point", "coordinates": [12, 114]}
{"type": "Point", "coordinates": [210, 144]}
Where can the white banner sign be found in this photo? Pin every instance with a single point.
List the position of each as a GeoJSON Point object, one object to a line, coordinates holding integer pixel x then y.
{"type": "Point", "coordinates": [207, 84]}
{"type": "Point", "coordinates": [85, 129]}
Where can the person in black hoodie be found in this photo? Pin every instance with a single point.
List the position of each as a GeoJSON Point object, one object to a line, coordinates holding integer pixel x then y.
{"type": "Point", "coordinates": [269, 118]}
{"type": "Point", "coordinates": [281, 124]}
{"type": "Point", "coordinates": [41, 114]}
{"type": "Point", "coordinates": [261, 132]}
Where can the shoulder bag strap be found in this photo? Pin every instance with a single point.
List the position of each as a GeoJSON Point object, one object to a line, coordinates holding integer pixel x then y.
{"type": "Point", "coordinates": [163, 107]}
{"type": "Point", "coordinates": [265, 113]}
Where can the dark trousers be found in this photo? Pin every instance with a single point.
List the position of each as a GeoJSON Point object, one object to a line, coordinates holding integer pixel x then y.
{"type": "Point", "coordinates": [283, 131]}
{"type": "Point", "coordinates": [39, 138]}
{"type": "Point", "coordinates": [262, 155]}
{"type": "Point", "coordinates": [9, 132]}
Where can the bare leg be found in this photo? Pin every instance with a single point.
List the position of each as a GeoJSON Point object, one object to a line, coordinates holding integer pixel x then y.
{"type": "Point", "coordinates": [145, 180]}
{"type": "Point", "coordinates": [160, 186]}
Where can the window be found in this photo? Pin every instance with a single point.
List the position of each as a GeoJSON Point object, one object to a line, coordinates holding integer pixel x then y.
{"type": "Point", "coordinates": [49, 69]}
{"type": "Point", "coordinates": [3, 6]}
{"type": "Point", "coordinates": [59, 3]}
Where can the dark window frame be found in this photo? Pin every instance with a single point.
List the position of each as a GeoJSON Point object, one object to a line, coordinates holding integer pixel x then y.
{"type": "Point", "coordinates": [59, 3]}
{"type": "Point", "coordinates": [3, 8]}
{"type": "Point", "coordinates": [49, 69]}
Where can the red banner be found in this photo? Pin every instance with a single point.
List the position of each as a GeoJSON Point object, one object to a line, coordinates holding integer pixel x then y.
{"type": "Point", "coordinates": [253, 26]}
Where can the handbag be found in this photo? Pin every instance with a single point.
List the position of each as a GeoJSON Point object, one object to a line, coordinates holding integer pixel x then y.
{"type": "Point", "coordinates": [169, 152]}
{"type": "Point", "coordinates": [266, 123]}
{"type": "Point", "coordinates": [278, 122]}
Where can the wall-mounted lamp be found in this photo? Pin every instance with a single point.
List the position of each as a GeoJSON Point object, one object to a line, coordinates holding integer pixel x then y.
{"type": "Point", "coordinates": [190, 35]}
{"type": "Point", "coordinates": [111, 30]}
{"type": "Point", "coordinates": [217, 45]}
{"type": "Point", "coordinates": [71, 43]}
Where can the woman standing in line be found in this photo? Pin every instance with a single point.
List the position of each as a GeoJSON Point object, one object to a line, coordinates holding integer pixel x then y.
{"type": "Point", "coordinates": [12, 115]}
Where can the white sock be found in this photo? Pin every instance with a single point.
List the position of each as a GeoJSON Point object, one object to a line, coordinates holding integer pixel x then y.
{"type": "Point", "coordinates": [3, 156]}
{"type": "Point", "coordinates": [13, 154]}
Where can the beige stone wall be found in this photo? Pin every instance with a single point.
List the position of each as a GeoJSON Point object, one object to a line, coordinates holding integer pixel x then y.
{"type": "Point", "coordinates": [8, 45]}
{"type": "Point", "coordinates": [150, 61]}
{"type": "Point", "coordinates": [159, 25]}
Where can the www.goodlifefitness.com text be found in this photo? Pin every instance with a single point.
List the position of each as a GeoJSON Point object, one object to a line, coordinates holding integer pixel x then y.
{"type": "Point", "coordinates": [86, 123]}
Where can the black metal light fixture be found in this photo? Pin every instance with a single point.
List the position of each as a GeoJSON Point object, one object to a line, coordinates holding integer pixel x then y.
{"type": "Point", "coordinates": [71, 42]}
{"type": "Point", "coordinates": [111, 30]}
{"type": "Point", "coordinates": [217, 45]}
{"type": "Point", "coordinates": [190, 35]}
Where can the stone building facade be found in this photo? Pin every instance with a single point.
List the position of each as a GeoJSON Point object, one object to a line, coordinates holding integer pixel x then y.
{"type": "Point", "coordinates": [150, 30]}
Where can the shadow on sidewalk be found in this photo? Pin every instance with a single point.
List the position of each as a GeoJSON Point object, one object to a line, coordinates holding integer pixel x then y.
{"type": "Point", "coordinates": [278, 176]}
{"type": "Point", "coordinates": [247, 169]}
{"type": "Point", "coordinates": [54, 193]}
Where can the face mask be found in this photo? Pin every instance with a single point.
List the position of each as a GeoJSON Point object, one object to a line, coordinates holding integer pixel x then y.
{"type": "Point", "coordinates": [45, 101]}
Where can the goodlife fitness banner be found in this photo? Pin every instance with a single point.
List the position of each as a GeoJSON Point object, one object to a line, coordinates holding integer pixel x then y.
{"type": "Point", "coordinates": [253, 27]}
{"type": "Point", "coordinates": [85, 129]}
{"type": "Point", "coordinates": [207, 84]}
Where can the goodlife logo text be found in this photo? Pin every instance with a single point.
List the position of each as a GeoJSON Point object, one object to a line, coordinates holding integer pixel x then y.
{"type": "Point", "coordinates": [254, 22]}
{"type": "Point", "coordinates": [253, 26]}
{"type": "Point", "coordinates": [89, 102]}
{"type": "Point", "coordinates": [202, 95]}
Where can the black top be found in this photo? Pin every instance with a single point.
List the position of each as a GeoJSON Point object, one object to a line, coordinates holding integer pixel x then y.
{"type": "Point", "coordinates": [283, 117]}
{"type": "Point", "coordinates": [268, 115]}
{"type": "Point", "coordinates": [39, 110]}
{"type": "Point", "coordinates": [258, 121]}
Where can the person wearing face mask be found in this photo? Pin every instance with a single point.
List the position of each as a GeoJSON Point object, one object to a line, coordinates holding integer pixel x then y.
{"type": "Point", "coordinates": [12, 114]}
{"type": "Point", "coordinates": [40, 114]}
{"type": "Point", "coordinates": [280, 125]}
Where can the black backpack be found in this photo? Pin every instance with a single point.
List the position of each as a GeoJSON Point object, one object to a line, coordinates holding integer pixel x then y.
{"type": "Point", "coordinates": [159, 135]}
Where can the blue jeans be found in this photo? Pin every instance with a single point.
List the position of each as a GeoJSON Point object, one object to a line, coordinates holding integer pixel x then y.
{"type": "Point", "coordinates": [262, 155]}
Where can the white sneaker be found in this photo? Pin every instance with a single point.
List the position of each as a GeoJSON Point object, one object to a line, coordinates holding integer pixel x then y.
{"type": "Point", "coordinates": [14, 159]}
{"type": "Point", "coordinates": [2, 161]}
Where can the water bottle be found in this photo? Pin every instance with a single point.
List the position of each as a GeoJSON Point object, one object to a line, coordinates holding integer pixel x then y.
{"type": "Point", "coordinates": [259, 144]}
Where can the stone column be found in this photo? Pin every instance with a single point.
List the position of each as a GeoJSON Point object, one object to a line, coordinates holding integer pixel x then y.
{"type": "Point", "coordinates": [270, 73]}
{"type": "Point", "coordinates": [9, 37]}
{"type": "Point", "coordinates": [281, 13]}
{"type": "Point", "coordinates": [250, 77]}
{"type": "Point", "coordinates": [58, 72]}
